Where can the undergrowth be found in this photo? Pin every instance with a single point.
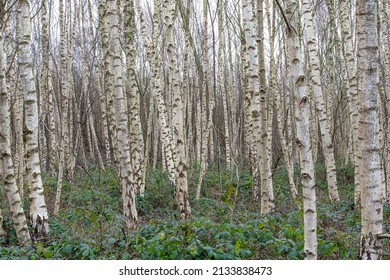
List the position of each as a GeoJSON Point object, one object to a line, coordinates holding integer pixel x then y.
{"type": "Point", "coordinates": [225, 221]}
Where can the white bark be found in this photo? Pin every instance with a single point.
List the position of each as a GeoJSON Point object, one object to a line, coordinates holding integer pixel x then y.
{"type": "Point", "coordinates": [136, 137]}
{"type": "Point", "coordinates": [266, 113]}
{"type": "Point", "coordinates": [7, 167]}
{"type": "Point", "coordinates": [351, 90]}
{"type": "Point", "coordinates": [38, 211]}
{"type": "Point", "coordinates": [369, 154]}
{"type": "Point", "coordinates": [166, 135]}
{"type": "Point", "coordinates": [182, 194]}
{"type": "Point", "coordinates": [315, 81]}
{"type": "Point", "coordinates": [121, 117]}
{"type": "Point", "coordinates": [302, 114]}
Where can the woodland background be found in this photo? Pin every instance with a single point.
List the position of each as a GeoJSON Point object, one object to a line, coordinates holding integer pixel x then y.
{"type": "Point", "coordinates": [205, 129]}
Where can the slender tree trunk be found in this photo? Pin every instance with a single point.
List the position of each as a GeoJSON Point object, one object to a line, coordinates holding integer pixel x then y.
{"type": "Point", "coordinates": [166, 135]}
{"type": "Point", "coordinates": [315, 81]}
{"type": "Point", "coordinates": [14, 88]}
{"type": "Point", "coordinates": [222, 85]}
{"type": "Point", "coordinates": [114, 62]}
{"type": "Point", "coordinates": [136, 137]}
{"type": "Point", "coordinates": [38, 210]}
{"type": "Point", "coordinates": [182, 194]}
{"type": "Point", "coordinates": [369, 150]}
{"type": "Point", "coordinates": [7, 168]}
{"type": "Point", "coordinates": [252, 79]}
{"type": "Point", "coordinates": [104, 82]}
{"type": "Point", "coordinates": [385, 24]}
{"type": "Point", "coordinates": [265, 154]}
{"type": "Point", "coordinates": [278, 103]}
{"type": "Point", "coordinates": [351, 91]}
{"type": "Point", "coordinates": [206, 126]}
{"type": "Point", "coordinates": [302, 114]}
{"type": "Point", "coordinates": [63, 145]}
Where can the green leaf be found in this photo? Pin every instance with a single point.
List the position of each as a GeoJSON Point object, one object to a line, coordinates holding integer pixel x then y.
{"type": "Point", "coordinates": [85, 253]}
{"type": "Point", "coordinates": [67, 250]}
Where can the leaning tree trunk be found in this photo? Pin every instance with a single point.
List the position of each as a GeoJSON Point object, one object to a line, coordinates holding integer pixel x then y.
{"type": "Point", "coordinates": [64, 110]}
{"type": "Point", "coordinates": [369, 153]}
{"type": "Point", "coordinates": [302, 114]}
{"type": "Point", "coordinates": [38, 211]}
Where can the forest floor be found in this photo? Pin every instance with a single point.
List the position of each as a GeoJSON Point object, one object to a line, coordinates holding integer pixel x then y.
{"type": "Point", "coordinates": [225, 222]}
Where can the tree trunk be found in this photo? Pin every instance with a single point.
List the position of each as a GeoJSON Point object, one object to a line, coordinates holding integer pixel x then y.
{"type": "Point", "coordinates": [182, 195]}
{"type": "Point", "coordinates": [315, 81]}
{"type": "Point", "coordinates": [350, 59]}
{"type": "Point", "coordinates": [38, 210]}
{"type": "Point", "coordinates": [122, 146]}
{"type": "Point", "coordinates": [166, 135]}
{"type": "Point", "coordinates": [7, 167]}
{"type": "Point", "coordinates": [369, 150]}
{"type": "Point", "coordinates": [136, 137]}
{"type": "Point", "coordinates": [302, 114]}
{"type": "Point", "coordinates": [265, 154]}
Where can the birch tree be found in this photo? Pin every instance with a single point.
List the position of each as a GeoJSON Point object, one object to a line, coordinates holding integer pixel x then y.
{"type": "Point", "coordinates": [302, 113]}
{"type": "Point", "coordinates": [136, 137]}
{"type": "Point", "coordinates": [119, 107]}
{"type": "Point", "coordinates": [266, 117]}
{"type": "Point", "coordinates": [38, 211]}
{"type": "Point", "coordinates": [166, 135]}
{"type": "Point", "coordinates": [7, 167]}
{"type": "Point", "coordinates": [178, 117]}
{"type": "Point", "coordinates": [369, 150]}
{"type": "Point", "coordinates": [350, 60]}
{"type": "Point", "coordinates": [315, 81]}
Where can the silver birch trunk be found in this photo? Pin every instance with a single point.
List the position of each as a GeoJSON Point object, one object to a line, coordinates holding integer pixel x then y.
{"type": "Point", "coordinates": [369, 154]}
{"type": "Point", "coordinates": [47, 87]}
{"type": "Point", "coordinates": [278, 105]}
{"type": "Point", "coordinates": [266, 113]}
{"type": "Point", "coordinates": [166, 135]}
{"type": "Point", "coordinates": [136, 137]}
{"type": "Point", "coordinates": [350, 59]}
{"type": "Point", "coordinates": [222, 85]}
{"type": "Point", "coordinates": [38, 211]}
{"type": "Point", "coordinates": [252, 79]}
{"type": "Point", "coordinates": [64, 109]}
{"type": "Point", "coordinates": [205, 132]}
{"type": "Point", "coordinates": [182, 194]}
{"type": "Point", "coordinates": [315, 81]}
{"type": "Point", "coordinates": [302, 114]}
{"type": "Point", "coordinates": [13, 85]}
{"type": "Point", "coordinates": [114, 62]}
{"type": "Point", "coordinates": [7, 167]}
{"type": "Point", "coordinates": [384, 6]}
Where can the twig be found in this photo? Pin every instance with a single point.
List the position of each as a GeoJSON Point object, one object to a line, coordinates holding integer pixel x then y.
{"type": "Point", "coordinates": [283, 14]}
